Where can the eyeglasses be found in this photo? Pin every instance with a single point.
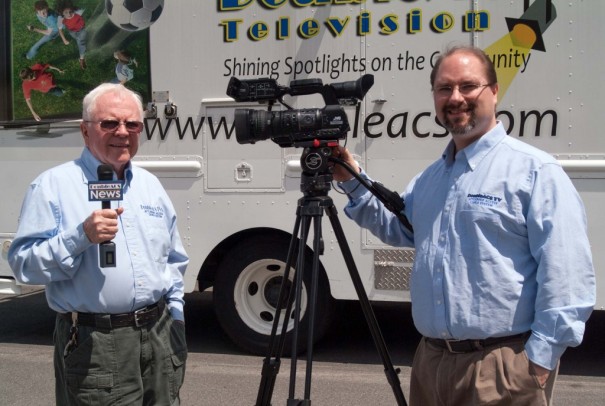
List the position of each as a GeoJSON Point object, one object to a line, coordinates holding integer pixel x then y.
{"type": "Point", "coordinates": [113, 125]}
{"type": "Point", "coordinates": [465, 89]}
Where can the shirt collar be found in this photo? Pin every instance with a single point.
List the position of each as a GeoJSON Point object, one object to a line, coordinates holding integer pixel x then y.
{"type": "Point", "coordinates": [478, 150]}
{"type": "Point", "coordinates": [90, 165]}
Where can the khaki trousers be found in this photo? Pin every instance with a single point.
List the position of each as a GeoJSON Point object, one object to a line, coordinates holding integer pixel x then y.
{"type": "Point", "coordinates": [498, 375]}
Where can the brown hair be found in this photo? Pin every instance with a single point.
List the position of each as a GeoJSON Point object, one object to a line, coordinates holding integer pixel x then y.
{"type": "Point", "coordinates": [41, 5]}
{"type": "Point", "coordinates": [26, 73]}
{"type": "Point", "coordinates": [490, 71]}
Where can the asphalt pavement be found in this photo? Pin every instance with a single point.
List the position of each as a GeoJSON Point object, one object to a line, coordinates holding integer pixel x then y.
{"type": "Point", "coordinates": [346, 370]}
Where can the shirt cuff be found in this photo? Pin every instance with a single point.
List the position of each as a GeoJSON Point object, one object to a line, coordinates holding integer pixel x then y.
{"type": "Point", "coordinates": [76, 241]}
{"type": "Point", "coordinates": [176, 311]}
{"type": "Point", "coordinates": [353, 188]}
{"type": "Point", "coordinates": [542, 353]}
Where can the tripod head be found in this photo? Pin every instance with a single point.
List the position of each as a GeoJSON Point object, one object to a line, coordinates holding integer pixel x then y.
{"type": "Point", "coordinates": [316, 177]}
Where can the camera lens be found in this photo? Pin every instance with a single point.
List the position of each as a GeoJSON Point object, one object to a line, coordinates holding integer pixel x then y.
{"type": "Point", "coordinates": [251, 125]}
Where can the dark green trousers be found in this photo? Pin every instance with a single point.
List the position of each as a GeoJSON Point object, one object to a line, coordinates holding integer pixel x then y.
{"type": "Point", "coordinates": [121, 366]}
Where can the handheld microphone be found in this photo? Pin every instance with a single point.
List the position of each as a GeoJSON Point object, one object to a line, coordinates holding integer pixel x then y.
{"type": "Point", "coordinates": [105, 190]}
{"type": "Point", "coordinates": [107, 249]}
{"type": "Point", "coordinates": [105, 173]}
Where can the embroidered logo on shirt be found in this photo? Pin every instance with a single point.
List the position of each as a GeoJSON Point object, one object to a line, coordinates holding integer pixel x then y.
{"type": "Point", "coordinates": [482, 199]}
{"type": "Point", "coordinates": [153, 211]}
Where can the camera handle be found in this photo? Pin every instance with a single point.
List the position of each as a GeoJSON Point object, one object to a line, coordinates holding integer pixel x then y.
{"type": "Point", "coordinates": [311, 207]}
{"type": "Point", "coordinates": [390, 199]}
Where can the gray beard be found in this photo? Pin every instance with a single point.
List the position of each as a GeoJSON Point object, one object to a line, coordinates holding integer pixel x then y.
{"type": "Point", "coordinates": [461, 130]}
{"type": "Point", "coordinates": [458, 130]}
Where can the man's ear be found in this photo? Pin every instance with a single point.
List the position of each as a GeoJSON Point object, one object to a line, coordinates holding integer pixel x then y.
{"type": "Point", "coordinates": [84, 131]}
{"type": "Point", "coordinates": [496, 88]}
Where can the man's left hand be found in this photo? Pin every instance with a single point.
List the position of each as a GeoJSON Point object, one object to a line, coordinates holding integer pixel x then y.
{"type": "Point", "coordinates": [541, 373]}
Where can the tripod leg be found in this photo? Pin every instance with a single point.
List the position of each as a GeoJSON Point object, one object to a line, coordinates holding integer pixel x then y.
{"type": "Point", "coordinates": [313, 296]}
{"type": "Point", "coordinates": [300, 265]}
{"type": "Point", "coordinates": [272, 361]}
{"type": "Point", "coordinates": [390, 371]}
{"type": "Point", "coordinates": [314, 209]}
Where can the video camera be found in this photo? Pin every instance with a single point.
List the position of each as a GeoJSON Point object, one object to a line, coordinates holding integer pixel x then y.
{"type": "Point", "coordinates": [299, 128]}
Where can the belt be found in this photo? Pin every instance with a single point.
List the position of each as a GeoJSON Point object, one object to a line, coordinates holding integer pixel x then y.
{"type": "Point", "coordinates": [465, 346]}
{"type": "Point", "coordinates": [139, 318]}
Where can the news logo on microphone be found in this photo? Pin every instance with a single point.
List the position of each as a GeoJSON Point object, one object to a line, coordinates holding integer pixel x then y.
{"type": "Point", "coordinates": [105, 190]}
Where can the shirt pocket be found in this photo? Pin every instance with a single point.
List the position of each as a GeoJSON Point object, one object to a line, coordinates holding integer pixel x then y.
{"type": "Point", "coordinates": [479, 234]}
{"type": "Point", "coordinates": [158, 237]}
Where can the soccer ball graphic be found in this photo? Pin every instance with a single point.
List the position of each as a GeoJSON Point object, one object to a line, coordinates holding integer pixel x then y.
{"type": "Point", "coordinates": [133, 15]}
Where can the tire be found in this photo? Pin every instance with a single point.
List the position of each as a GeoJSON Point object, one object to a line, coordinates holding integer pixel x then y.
{"type": "Point", "coordinates": [246, 291]}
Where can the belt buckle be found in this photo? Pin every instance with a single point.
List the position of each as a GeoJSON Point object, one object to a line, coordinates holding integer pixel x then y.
{"type": "Point", "coordinates": [449, 346]}
{"type": "Point", "coordinates": [139, 313]}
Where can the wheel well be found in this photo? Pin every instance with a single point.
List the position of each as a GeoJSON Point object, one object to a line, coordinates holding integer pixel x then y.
{"type": "Point", "coordinates": [208, 270]}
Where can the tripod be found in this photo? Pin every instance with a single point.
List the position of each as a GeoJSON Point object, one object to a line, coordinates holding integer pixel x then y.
{"type": "Point", "coordinates": [315, 183]}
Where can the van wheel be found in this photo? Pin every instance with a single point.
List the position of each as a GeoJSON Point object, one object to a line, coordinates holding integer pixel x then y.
{"type": "Point", "coordinates": [246, 292]}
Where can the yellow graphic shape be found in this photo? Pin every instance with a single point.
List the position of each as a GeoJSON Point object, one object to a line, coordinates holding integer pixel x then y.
{"type": "Point", "coordinates": [520, 40]}
{"type": "Point", "coordinates": [523, 35]}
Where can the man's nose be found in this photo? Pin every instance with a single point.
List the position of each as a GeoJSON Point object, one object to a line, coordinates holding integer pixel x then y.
{"type": "Point", "coordinates": [121, 130]}
{"type": "Point", "coordinates": [456, 94]}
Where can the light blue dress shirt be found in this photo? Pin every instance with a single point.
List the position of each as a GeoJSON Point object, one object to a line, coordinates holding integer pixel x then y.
{"type": "Point", "coordinates": [51, 248]}
{"type": "Point", "coordinates": [501, 246]}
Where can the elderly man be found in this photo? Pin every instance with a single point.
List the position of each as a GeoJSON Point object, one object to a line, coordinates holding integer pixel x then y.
{"type": "Point", "coordinates": [120, 333]}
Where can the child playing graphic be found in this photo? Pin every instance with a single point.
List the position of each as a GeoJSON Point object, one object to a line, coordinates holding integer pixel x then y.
{"type": "Point", "coordinates": [124, 72]}
{"type": "Point", "coordinates": [71, 19]}
{"type": "Point", "coordinates": [48, 18]}
{"type": "Point", "coordinates": [38, 78]}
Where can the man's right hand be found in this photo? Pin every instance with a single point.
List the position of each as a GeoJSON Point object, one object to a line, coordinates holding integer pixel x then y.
{"type": "Point", "coordinates": [102, 225]}
{"type": "Point", "coordinates": [339, 173]}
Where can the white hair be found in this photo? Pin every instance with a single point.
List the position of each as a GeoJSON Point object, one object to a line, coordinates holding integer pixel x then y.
{"type": "Point", "coordinates": [89, 103]}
